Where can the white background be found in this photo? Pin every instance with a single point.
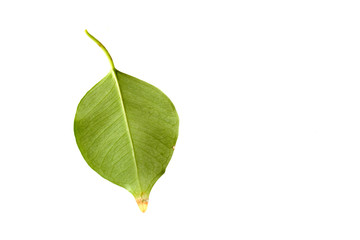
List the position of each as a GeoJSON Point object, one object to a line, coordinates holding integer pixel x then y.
{"type": "Point", "coordinates": [268, 94]}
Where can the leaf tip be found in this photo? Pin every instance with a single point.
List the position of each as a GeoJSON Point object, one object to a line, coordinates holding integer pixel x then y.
{"type": "Point", "coordinates": [142, 203]}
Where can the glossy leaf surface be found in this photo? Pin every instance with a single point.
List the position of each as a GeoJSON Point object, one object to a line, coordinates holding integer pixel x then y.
{"type": "Point", "coordinates": [126, 130]}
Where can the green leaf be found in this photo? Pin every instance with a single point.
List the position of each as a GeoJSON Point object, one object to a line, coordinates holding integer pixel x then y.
{"type": "Point", "coordinates": [126, 130]}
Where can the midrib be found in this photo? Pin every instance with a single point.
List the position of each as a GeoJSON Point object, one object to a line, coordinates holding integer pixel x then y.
{"type": "Point", "coordinates": [127, 127]}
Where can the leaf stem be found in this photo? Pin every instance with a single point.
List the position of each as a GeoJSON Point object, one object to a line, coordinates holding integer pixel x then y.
{"type": "Point", "coordinates": [103, 48]}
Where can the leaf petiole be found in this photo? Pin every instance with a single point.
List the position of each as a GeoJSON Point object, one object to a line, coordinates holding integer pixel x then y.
{"type": "Point", "coordinates": [103, 48]}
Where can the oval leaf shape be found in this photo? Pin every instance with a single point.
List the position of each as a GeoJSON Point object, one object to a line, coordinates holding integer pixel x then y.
{"type": "Point", "coordinates": [126, 130]}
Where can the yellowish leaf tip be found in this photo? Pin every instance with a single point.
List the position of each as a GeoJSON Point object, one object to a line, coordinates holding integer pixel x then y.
{"type": "Point", "coordinates": [142, 203]}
